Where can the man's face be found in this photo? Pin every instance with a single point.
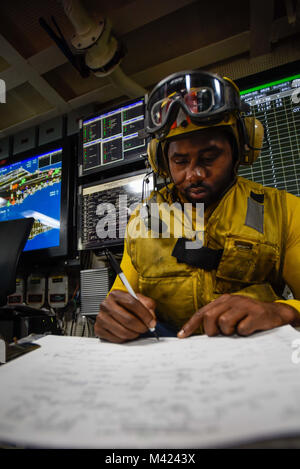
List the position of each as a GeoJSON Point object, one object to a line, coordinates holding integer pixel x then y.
{"type": "Point", "coordinates": [201, 165]}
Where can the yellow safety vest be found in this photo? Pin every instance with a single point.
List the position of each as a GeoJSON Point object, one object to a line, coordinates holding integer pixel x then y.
{"type": "Point", "coordinates": [248, 226]}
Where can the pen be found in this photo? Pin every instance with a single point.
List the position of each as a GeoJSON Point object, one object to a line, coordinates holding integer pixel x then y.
{"type": "Point", "coordinates": [116, 267]}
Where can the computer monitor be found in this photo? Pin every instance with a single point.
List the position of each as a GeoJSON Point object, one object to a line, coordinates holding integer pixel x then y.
{"type": "Point", "coordinates": [110, 138]}
{"type": "Point", "coordinates": [104, 208]}
{"type": "Point", "coordinates": [37, 187]}
{"type": "Point", "coordinates": [274, 98]}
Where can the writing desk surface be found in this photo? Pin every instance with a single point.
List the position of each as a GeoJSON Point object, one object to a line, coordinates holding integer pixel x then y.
{"type": "Point", "coordinates": [200, 392]}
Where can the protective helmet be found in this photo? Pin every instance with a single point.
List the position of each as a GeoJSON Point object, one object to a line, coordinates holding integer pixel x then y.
{"type": "Point", "coordinates": [190, 101]}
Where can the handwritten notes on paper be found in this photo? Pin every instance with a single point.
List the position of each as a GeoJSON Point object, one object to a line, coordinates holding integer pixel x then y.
{"type": "Point", "coordinates": [78, 392]}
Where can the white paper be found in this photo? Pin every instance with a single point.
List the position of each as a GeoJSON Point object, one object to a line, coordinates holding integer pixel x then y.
{"type": "Point", "coordinates": [199, 392]}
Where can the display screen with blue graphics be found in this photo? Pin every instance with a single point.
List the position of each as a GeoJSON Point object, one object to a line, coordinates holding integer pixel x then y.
{"type": "Point", "coordinates": [32, 188]}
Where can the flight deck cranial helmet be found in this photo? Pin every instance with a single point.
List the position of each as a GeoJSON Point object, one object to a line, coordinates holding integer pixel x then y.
{"type": "Point", "coordinates": [190, 101]}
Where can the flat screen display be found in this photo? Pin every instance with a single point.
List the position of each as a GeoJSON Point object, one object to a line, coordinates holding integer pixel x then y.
{"type": "Point", "coordinates": [32, 188]}
{"type": "Point", "coordinates": [105, 208]}
{"type": "Point", "coordinates": [111, 138]}
{"type": "Point", "coordinates": [276, 103]}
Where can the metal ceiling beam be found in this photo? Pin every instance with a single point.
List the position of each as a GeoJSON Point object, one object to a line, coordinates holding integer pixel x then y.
{"type": "Point", "coordinates": [48, 59]}
{"type": "Point", "coordinates": [52, 57]}
{"type": "Point", "coordinates": [202, 57]}
{"type": "Point", "coordinates": [28, 123]}
{"type": "Point", "coordinates": [199, 58]}
{"type": "Point", "coordinates": [138, 13]}
{"type": "Point", "coordinates": [21, 72]}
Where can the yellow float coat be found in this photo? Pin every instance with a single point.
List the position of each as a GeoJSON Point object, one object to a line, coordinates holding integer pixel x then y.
{"type": "Point", "coordinates": [260, 239]}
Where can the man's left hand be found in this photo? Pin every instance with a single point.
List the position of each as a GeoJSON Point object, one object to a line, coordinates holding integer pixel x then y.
{"type": "Point", "coordinates": [237, 314]}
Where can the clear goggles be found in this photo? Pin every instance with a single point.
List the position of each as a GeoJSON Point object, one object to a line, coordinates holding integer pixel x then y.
{"type": "Point", "coordinates": [202, 96]}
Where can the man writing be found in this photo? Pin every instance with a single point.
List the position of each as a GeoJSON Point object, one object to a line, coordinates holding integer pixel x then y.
{"type": "Point", "coordinates": [234, 281]}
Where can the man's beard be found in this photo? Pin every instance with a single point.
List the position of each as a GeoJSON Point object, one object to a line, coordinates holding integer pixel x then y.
{"type": "Point", "coordinates": [205, 200]}
{"type": "Point", "coordinates": [211, 196]}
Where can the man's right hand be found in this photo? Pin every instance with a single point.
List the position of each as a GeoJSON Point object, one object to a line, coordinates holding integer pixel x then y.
{"type": "Point", "coordinates": [122, 318]}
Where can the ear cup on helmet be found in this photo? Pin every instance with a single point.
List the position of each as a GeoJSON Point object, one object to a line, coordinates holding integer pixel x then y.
{"type": "Point", "coordinates": [156, 158]}
{"type": "Point", "coordinates": [253, 140]}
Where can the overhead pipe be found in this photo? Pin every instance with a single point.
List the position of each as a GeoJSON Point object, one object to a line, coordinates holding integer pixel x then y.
{"type": "Point", "coordinates": [103, 51]}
